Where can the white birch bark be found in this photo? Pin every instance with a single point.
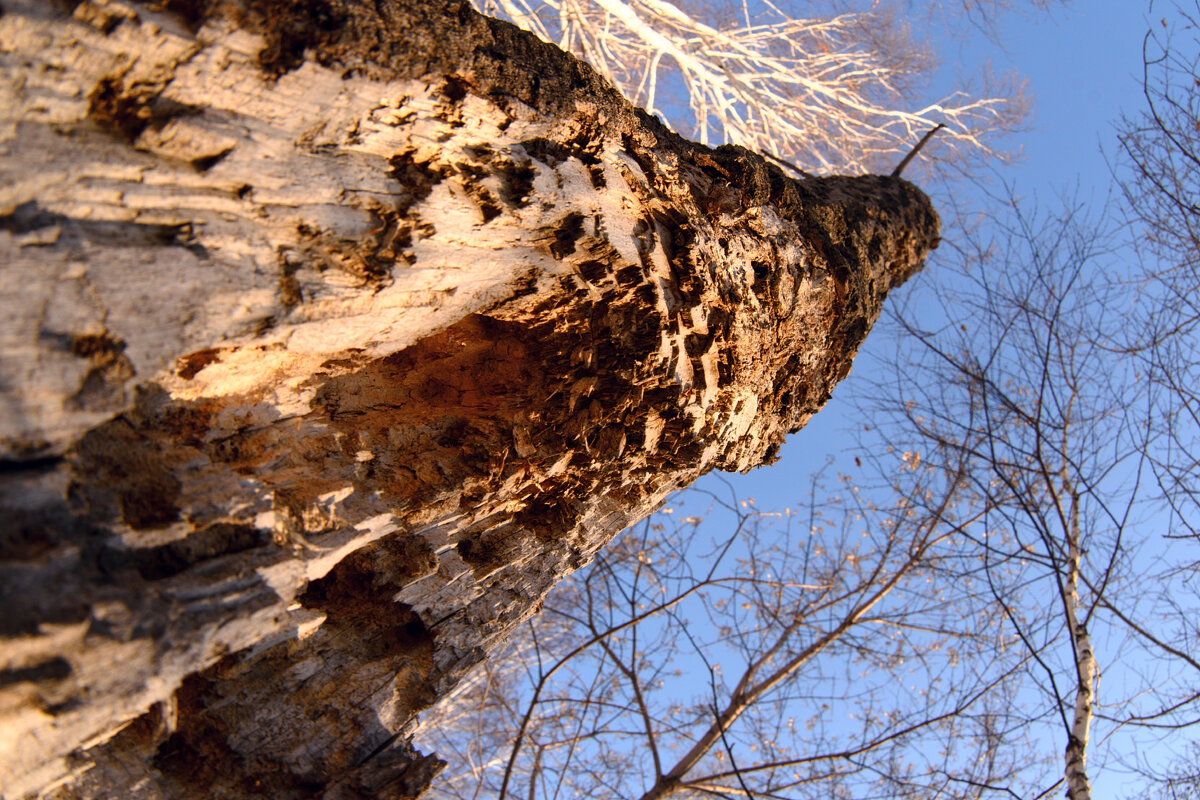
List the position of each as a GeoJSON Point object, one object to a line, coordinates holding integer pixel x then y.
{"type": "Point", "coordinates": [1086, 672]}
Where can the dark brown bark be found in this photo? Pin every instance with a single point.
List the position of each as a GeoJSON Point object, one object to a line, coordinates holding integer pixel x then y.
{"type": "Point", "coordinates": [246, 542]}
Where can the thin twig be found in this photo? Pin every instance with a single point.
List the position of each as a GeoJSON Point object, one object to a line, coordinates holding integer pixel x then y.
{"type": "Point", "coordinates": [912, 153]}
{"type": "Point", "coordinates": [712, 678]}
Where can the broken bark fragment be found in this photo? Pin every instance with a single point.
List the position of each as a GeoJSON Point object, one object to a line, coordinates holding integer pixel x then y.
{"type": "Point", "coordinates": [333, 333]}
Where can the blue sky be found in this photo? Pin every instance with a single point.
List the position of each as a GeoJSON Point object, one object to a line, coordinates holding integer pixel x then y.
{"type": "Point", "coordinates": [1082, 63]}
{"type": "Point", "coordinates": [1083, 67]}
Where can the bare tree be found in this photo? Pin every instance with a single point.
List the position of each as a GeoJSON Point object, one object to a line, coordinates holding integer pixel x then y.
{"type": "Point", "coordinates": [1158, 174]}
{"type": "Point", "coordinates": [1011, 551]}
{"type": "Point", "coordinates": [1160, 161]}
{"type": "Point", "coordinates": [1027, 374]}
{"type": "Point", "coordinates": [983, 15]}
{"type": "Point", "coordinates": [1041, 416]}
{"type": "Point", "coordinates": [1177, 780]}
{"type": "Point", "coordinates": [811, 653]}
{"type": "Point", "coordinates": [836, 92]}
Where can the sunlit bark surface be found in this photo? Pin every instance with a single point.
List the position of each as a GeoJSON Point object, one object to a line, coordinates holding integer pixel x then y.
{"type": "Point", "coordinates": [332, 335]}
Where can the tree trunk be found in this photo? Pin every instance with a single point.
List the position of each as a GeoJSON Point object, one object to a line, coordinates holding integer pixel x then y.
{"type": "Point", "coordinates": [333, 334]}
{"type": "Point", "coordinates": [1087, 674]}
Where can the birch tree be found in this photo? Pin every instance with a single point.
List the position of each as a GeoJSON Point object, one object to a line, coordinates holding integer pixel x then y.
{"type": "Point", "coordinates": [1054, 387]}
{"type": "Point", "coordinates": [1020, 555]}
{"type": "Point", "coordinates": [1029, 376]}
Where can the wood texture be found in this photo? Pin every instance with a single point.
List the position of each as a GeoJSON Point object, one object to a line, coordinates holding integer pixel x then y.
{"type": "Point", "coordinates": [332, 334]}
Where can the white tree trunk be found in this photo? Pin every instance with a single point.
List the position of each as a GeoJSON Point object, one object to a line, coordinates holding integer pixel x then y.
{"type": "Point", "coordinates": [1086, 672]}
{"type": "Point", "coordinates": [332, 334]}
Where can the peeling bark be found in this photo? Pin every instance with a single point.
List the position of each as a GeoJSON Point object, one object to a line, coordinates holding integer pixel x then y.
{"type": "Point", "coordinates": [333, 334]}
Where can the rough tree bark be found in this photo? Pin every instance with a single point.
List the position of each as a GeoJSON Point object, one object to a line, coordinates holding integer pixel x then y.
{"type": "Point", "coordinates": [332, 334]}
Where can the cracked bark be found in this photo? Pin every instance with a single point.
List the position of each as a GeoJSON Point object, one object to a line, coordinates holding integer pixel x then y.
{"type": "Point", "coordinates": [333, 334]}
